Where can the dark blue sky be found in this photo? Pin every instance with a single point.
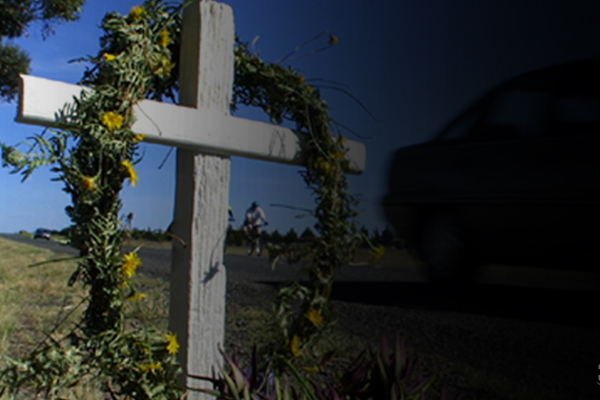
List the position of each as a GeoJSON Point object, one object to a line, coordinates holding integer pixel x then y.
{"type": "Point", "coordinates": [414, 65]}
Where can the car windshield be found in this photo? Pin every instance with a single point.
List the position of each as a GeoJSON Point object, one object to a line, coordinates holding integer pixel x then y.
{"type": "Point", "coordinates": [516, 109]}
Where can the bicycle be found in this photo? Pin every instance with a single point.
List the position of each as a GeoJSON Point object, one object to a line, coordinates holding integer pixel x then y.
{"type": "Point", "coordinates": [253, 239]}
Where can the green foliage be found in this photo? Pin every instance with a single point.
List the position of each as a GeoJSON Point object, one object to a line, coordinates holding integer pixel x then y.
{"type": "Point", "coordinates": [26, 234]}
{"type": "Point", "coordinates": [235, 237]}
{"type": "Point", "coordinates": [16, 16]}
{"type": "Point", "coordinates": [284, 95]}
{"type": "Point", "coordinates": [308, 234]}
{"type": "Point", "coordinates": [387, 237]}
{"type": "Point", "coordinates": [13, 61]}
{"type": "Point", "coordinates": [94, 155]}
{"type": "Point", "coordinates": [276, 237]}
{"type": "Point", "coordinates": [134, 365]}
{"type": "Point", "coordinates": [156, 235]}
{"type": "Point", "coordinates": [291, 236]}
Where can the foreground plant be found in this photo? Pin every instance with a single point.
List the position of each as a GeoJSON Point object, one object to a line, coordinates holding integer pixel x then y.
{"type": "Point", "coordinates": [390, 372]}
{"type": "Point", "coordinates": [284, 94]}
{"type": "Point", "coordinates": [94, 155]}
{"type": "Point", "coordinates": [386, 373]}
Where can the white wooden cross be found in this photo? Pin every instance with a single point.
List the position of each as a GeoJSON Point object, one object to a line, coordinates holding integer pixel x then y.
{"type": "Point", "coordinates": [205, 136]}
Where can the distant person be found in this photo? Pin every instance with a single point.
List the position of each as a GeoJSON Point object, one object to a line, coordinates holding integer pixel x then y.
{"type": "Point", "coordinates": [255, 217]}
{"type": "Point", "coordinates": [253, 221]}
{"type": "Point", "coordinates": [230, 213]}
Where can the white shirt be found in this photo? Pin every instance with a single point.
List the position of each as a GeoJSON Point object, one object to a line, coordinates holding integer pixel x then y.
{"type": "Point", "coordinates": [255, 217]}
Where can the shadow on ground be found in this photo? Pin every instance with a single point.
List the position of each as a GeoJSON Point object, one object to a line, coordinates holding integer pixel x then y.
{"type": "Point", "coordinates": [556, 306]}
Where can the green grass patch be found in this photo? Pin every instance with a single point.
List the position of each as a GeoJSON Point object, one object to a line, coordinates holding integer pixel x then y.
{"type": "Point", "coordinates": [26, 234]}
{"type": "Point", "coordinates": [34, 297]}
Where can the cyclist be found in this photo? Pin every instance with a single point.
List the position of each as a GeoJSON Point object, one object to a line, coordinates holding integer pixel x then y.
{"type": "Point", "coordinates": [253, 221]}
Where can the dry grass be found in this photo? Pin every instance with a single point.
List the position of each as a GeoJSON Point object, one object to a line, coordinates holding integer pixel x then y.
{"type": "Point", "coordinates": [33, 295]}
{"type": "Point", "coordinates": [147, 243]}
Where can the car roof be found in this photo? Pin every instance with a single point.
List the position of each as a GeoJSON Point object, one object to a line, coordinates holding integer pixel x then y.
{"type": "Point", "coordinates": [550, 78]}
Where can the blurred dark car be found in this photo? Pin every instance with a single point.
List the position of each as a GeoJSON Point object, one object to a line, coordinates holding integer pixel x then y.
{"type": "Point", "coordinates": [41, 233]}
{"type": "Point", "coordinates": [514, 179]}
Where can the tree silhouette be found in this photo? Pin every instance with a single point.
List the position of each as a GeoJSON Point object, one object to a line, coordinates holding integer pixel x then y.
{"type": "Point", "coordinates": [15, 17]}
{"type": "Point", "coordinates": [276, 237]}
{"type": "Point", "coordinates": [291, 236]}
{"type": "Point", "coordinates": [387, 237]}
{"type": "Point", "coordinates": [308, 234]}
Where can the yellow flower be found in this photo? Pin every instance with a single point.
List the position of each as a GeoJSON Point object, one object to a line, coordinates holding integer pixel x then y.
{"type": "Point", "coordinates": [136, 13]}
{"type": "Point", "coordinates": [133, 177]}
{"type": "Point", "coordinates": [165, 40]}
{"type": "Point", "coordinates": [136, 297]}
{"type": "Point", "coordinates": [130, 263]}
{"type": "Point", "coordinates": [312, 370]}
{"type": "Point", "coordinates": [295, 345]}
{"type": "Point", "coordinates": [88, 183]}
{"type": "Point", "coordinates": [165, 67]}
{"type": "Point", "coordinates": [376, 253]}
{"type": "Point", "coordinates": [301, 79]}
{"type": "Point", "coordinates": [333, 40]}
{"type": "Point", "coordinates": [172, 345]}
{"type": "Point", "coordinates": [138, 138]}
{"type": "Point", "coordinates": [112, 120]}
{"type": "Point", "coordinates": [109, 57]}
{"type": "Point", "coordinates": [152, 367]}
{"type": "Point", "coordinates": [324, 165]}
{"type": "Point", "coordinates": [315, 317]}
{"type": "Point", "coordinates": [338, 155]}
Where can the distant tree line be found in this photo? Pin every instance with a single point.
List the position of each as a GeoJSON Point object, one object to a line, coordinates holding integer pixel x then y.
{"type": "Point", "coordinates": [237, 237]}
{"type": "Point", "coordinates": [156, 235]}
{"type": "Point", "coordinates": [385, 238]}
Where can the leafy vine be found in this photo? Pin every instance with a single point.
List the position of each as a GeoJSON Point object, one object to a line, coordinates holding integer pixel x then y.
{"type": "Point", "coordinates": [284, 95]}
{"type": "Point", "coordinates": [96, 153]}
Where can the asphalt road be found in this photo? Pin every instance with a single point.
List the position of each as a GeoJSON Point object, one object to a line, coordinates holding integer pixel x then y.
{"type": "Point", "coordinates": [561, 300]}
{"type": "Point", "coordinates": [157, 262]}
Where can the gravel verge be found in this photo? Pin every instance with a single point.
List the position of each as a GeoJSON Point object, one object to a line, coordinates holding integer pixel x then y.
{"type": "Point", "coordinates": [483, 357]}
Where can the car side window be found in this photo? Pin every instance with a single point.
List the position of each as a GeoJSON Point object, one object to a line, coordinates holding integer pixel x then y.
{"type": "Point", "coordinates": [577, 106]}
{"type": "Point", "coordinates": [515, 114]}
{"type": "Point", "coordinates": [577, 110]}
{"type": "Point", "coordinates": [460, 128]}
{"type": "Point", "coordinates": [576, 115]}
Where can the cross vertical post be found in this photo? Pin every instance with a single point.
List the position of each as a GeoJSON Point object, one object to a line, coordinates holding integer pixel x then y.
{"type": "Point", "coordinates": [198, 276]}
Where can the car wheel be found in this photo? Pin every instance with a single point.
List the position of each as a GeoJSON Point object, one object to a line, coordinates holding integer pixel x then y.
{"type": "Point", "coordinates": [442, 246]}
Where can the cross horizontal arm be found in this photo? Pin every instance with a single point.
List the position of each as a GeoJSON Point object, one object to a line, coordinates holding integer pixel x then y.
{"type": "Point", "coordinates": [183, 127]}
